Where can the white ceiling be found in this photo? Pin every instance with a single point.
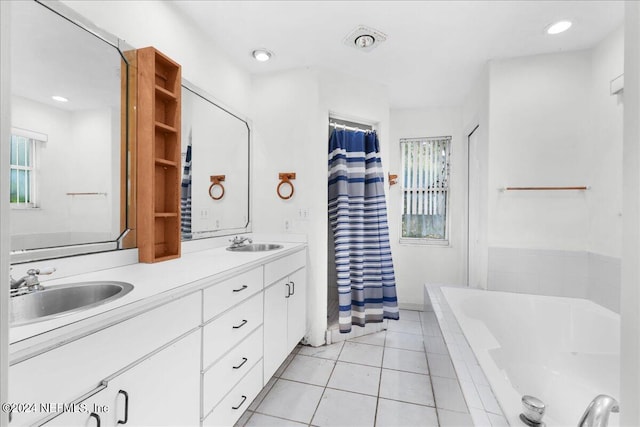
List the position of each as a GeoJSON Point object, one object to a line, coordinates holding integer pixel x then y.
{"type": "Point", "coordinates": [434, 51]}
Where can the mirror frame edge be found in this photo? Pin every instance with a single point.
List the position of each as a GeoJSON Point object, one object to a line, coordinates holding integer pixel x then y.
{"type": "Point", "coordinates": [247, 228]}
{"type": "Point", "coordinates": [126, 237]}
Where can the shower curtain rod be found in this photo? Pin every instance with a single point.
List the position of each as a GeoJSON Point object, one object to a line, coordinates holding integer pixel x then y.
{"type": "Point", "coordinates": [338, 125]}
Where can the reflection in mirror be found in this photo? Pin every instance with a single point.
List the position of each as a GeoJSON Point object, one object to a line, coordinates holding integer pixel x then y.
{"type": "Point", "coordinates": [66, 135]}
{"type": "Point", "coordinates": [215, 164]}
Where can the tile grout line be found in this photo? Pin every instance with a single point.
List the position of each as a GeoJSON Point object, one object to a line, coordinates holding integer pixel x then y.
{"type": "Point", "coordinates": [325, 387]}
{"type": "Point", "coordinates": [433, 391]}
{"type": "Point", "coordinates": [375, 415]}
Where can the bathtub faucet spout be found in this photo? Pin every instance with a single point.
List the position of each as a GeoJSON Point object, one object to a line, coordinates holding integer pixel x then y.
{"type": "Point", "coordinates": [598, 411]}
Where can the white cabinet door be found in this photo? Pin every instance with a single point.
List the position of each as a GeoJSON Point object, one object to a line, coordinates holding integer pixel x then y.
{"type": "Point", "coordinates": [297, 309]}
{"type": "Point", "coordinates": [275, 326]}
{"type": "Point", "coordinates": [163, 390]}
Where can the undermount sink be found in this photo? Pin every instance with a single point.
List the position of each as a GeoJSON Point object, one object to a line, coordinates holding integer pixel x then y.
{"type": "Point", "coordinates": [255, 247]}
{"type": "Point", "coordinates": [65, 299]}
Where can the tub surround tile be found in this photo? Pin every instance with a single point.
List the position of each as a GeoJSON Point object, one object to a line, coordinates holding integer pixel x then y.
{"type": "Point", "coordinates": [462, 371]}
{"type": "Point", "coordinates": [472, 381]}
{"type": "Point", "coordinates": [488, 400]}
{"type": "Point", "coordinates": [471, 395]}
{"type": "Point", "coordinates": [340, 408]}
{"type": "Point", "coordinates": [480, 418]}
{"type": "Point", "coordinates": [291, 400]}
{"type": "Point", "coordinates": [406, 387]}
{"type": "Point", "coordinates": [453, 419]}
{"type": "Point", "coordinates": [497, 420]}
{"type": "Point", "coordinates": [577, 274]}
{"type": "Point", "coordinates": [363, 354]}
{"type": "Point", "coordinates": [355, 378]}
{"type": "Point", "coordinates": [331, 351]}
{"type": "Point", "coordinates": [405, 360]}
{"type": "Point", "coordinates": [448, 394]}
{"type": "Point", "coordinates": [604, 281]}
{"type": "Point", "coordinates": [392, 413]}
{"type": "Point", "coordinates": [477, 375]}
{"type": "Point", "coordinates": [310, 370]}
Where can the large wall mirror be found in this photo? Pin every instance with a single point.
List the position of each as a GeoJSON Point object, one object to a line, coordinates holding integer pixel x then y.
{"type": "Point", "coordinates": [68, 192]}
{"type": "Point", "coordinates": [216, 167]}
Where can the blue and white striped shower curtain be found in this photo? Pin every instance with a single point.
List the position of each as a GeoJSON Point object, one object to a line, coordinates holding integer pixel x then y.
{"type": "Point", "coordinates": [185, 195]}
{"type": "Point", "coordinates": [358, 217]}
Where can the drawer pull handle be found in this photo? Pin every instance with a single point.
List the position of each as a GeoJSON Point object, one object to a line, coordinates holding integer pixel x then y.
{"type": "Point", "coordinates": [244, 322]}
{"type": "Point", "coordinates": [288, 290]}
{"type": "Point", "coordinates": [241, 289]}
{"type": "Point", "coordinates": [244, 360]}
{"type": "Point", "coordinates": [293, 287]}
{"type": "Point", "coordinates": [97, 417]}
{"type": "Point", "coordinates": [126, 407]}
{"type": "Point", "coordinates": [241, 403]}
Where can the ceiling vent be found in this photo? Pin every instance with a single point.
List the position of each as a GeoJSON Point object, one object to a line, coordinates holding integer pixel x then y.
{"type": "Point", "coordinates": [364, 39]}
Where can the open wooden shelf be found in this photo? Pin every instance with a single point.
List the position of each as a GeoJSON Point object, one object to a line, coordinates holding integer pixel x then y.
{"type": "Point", "coordinates": [158, 159]}
{"type": "Point", "coordinates": [166, 162]}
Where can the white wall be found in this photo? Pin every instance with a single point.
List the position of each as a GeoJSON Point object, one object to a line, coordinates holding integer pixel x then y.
{"type": "Point", "coordinates": [605, 131]}
{"type": "Point", "coordinates": [157, 23]}
{"type": "Point", "coordinates": [475, 113]}
{"type": "Point", "coordinates": [81, 154]}
{"type": "Point", "coordinates": [416, 265]}
{"type": "Point", "coordinates": [553, 122]}
{"type": "Point", "coordinates": [290, 117]}
{"type": "Point", "coordinates": [539, 122]}
{"type": "Point", "coordinates": [630, 298]}
{"type": "Point", "coordinates": [287, 138]}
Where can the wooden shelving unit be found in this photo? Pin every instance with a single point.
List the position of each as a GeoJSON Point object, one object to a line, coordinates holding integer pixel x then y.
{"type": "Point", "coordinates": [158, 156]}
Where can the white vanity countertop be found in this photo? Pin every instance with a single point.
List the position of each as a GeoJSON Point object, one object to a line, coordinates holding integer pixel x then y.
{"type": "Point", "coordinates": [154, 285]}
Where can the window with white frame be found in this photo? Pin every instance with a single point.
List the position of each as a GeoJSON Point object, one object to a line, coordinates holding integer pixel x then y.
{"type": "Point", "coordinates": [425, 189]}
{"type": "Point", "coordinates": [24, 145]}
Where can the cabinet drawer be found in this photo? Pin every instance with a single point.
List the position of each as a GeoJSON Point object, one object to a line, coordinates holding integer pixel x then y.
{"type": "Point", "coordinates": [284, 266]}
{"type": "Point", "coordinates": [229, 329]}
{"type": "Point", "coordinates": [238, 400]}
{"type": "Point", "coordinates": [64, 373]}
{"type": "Point", "coordinates": [226, 373]}
{"type": "Point", "coordinates": [228, 293]}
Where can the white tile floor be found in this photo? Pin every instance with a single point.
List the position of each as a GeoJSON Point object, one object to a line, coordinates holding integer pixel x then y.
{"type": "Point", "coordinates": [401, 377]}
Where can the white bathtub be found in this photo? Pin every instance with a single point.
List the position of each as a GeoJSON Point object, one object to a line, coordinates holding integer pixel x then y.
{"type": "Point", "coordinates": [564, 351]}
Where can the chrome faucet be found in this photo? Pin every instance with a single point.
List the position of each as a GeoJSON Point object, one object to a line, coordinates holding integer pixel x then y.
{"type": "Point", "coordinates": [30, 282]}
{"type": "Point", "coordinates": [236, 242]}
{"type": "Point", "coordinates": [598, 411]}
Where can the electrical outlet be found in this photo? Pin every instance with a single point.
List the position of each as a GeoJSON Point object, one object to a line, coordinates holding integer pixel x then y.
{"type": "Point", "coordinates": [303, 214]}
{"type": "Point", "coordinates": [287, 225]}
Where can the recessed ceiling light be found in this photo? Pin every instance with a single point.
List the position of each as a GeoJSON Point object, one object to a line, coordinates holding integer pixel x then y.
{"type": "Point", "coordinates": [364, 41]}
{"type": "Point", "coordinates": [59, 98]}
{"type": "Point", "coordinates": [364, 38]}
{"type": "Point", "coordinates": [559, 27]}
{"type": "Point", "coordinates": [261, 55]}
